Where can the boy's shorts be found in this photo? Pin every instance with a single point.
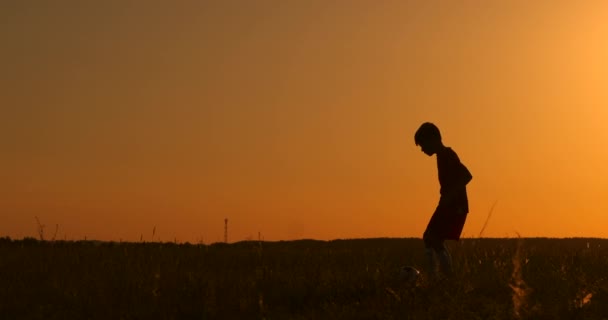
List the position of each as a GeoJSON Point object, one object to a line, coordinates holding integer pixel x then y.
{"type": "Point", "coordinates": [446, 224]}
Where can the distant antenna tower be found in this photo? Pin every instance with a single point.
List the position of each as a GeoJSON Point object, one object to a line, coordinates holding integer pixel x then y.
{"type": "Point", "coordinates": [226, 230]}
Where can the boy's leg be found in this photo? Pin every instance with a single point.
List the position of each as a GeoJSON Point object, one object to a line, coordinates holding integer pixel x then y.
{"type": "Point", "coordinates": [432, 263]}
{"type": "Point", "coordinates": [430, 244]}
{"type": "Point", "coordinates": [435, 245]}
{"type": "Point", "coordinates": [445, 260]}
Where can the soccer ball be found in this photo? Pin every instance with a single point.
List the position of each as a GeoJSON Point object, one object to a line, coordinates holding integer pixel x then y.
{"type": "Point", "coordinates": [409, 274]}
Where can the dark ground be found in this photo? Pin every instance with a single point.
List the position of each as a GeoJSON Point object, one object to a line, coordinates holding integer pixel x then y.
{"type": "Point", "coordinates": [306, 279]}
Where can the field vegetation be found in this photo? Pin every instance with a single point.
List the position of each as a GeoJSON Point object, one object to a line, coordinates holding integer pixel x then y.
{"type": "Point", "coordinates": [306, 279]}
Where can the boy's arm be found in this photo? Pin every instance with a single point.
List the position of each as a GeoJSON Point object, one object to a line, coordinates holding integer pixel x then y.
{"type": "Point", "coordinates": [466, 175]}
{"type": "Point", "coordinates": [462, 177]}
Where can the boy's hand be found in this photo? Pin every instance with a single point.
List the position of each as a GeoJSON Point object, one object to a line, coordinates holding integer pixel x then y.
{"type": "Point", "coordinates": [460, 211]}
{"type": "Point", "coordinates": [448, 200]}
{"type": "Point", "coordinates": [448, 197]}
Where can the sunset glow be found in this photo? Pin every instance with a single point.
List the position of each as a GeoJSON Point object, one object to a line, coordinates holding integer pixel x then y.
{"type": "Point", "coordinates": [296, 120]}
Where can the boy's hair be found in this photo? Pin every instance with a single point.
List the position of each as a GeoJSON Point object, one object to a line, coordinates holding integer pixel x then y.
{"type": "Point", "coordinates": [427, 132]}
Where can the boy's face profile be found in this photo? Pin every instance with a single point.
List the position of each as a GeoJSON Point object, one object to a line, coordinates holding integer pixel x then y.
{"type": "Point", "coordinates": [428, 147]}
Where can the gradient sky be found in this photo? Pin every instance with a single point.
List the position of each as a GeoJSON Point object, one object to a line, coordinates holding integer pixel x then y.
{"type": "Point", "coordinates": [295, 119]}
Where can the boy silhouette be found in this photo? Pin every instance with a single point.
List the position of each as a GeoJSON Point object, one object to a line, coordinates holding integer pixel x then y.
{"type": "Point", "coordinates": [451, 212]}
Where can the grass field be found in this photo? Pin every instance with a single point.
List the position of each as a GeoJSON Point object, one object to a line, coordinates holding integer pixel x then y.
{"type": "Point", "coordinates": [306, 279]}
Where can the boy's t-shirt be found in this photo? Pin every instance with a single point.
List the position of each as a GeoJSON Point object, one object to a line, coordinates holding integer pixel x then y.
{"type": "Point", "coordinates": [451, 171]}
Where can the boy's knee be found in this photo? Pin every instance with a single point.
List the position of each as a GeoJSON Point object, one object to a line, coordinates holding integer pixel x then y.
{"type": "Point", "coordinates": [432, 242]}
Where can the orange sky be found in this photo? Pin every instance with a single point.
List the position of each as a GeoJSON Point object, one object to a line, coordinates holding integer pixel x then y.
{"type": "Point", "coordinates": [296, 120]}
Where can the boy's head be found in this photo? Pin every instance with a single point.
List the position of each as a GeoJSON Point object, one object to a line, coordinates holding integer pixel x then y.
{"type": "Point", "coordinates": [428, 138]}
